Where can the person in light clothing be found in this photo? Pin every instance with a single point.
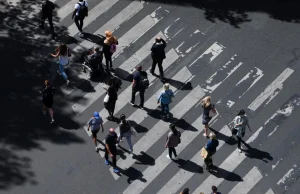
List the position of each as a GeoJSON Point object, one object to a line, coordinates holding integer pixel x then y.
{"type": "Point", "coordinates": [125, 131]}
{"type": "Point", "coordinates": [95, 123]}
{"type": "Point", "coordinates": [240, 123]}
{"type": "Point", "coordinates": [165, 98]}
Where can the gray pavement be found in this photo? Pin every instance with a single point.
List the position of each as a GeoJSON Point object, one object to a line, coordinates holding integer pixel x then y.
{"type": "Point", "coordinates": [245, 56]}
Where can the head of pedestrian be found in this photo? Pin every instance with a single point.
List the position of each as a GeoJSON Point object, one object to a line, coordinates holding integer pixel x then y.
{"type": "Point", "coordinates": [172, 127]}
{"type": "Point", "coordinates": [80, 0]}
{"type": "Point", "coordinates": [206, 101]}
{"type": "Point", "coordinates": [96, 49]}
{"type": "Point", "coordinates": [111, 130]}
{"type": "Point", "coordinates": [166, 86]}
{"type": "Point", "coordinates": [214, 189]}
{"type": "Point", "coordinates": [185, 191]}
{"type": "Point", "coordinates": [139, 68]}
{"type": "Point", "coordinates": [122, 118]}
{"type": "Point", "coordinates": [108, 34]}
{"type": "Point", "coordinates": [212, 135]}
{"type": "Point", "coordinates": [96, 115]}
{"type": "Point", "coordinates": [47, 82]}
{"type": "Point", "coordinates": [241, 112]}
{"type": "Point", "coordinates": [158, 40]}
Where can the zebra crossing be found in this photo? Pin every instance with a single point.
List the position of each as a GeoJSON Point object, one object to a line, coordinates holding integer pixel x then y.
{"type": "Point", "coordinates": [233, 84]}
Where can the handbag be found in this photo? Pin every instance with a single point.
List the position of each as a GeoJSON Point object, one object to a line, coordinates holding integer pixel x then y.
{"type": "Point", "coordinates": [106, 98]}
{"type": "Point", "coordinates": [204, 153]}
{"type": "Point", "coordinates": [212, 112]}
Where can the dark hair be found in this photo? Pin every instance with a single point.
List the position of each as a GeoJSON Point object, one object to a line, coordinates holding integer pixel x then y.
{"type": "Point", "coordinates": [122, 117]}
{"type": "Point", "coordinates": [241, 112]}
{"type": "Point", "coordinates": [62, 49]}
{"type": "Point", "coordinates": [139, 68]}
{"type": "Point", "coordinates": [158, 40]}
{"type": "Point", "coordinates": [110, 81]}
{"type": "Point", "coordinates": [185, 191]}
{"type": "Point", "coordinates": [214, 189]}
{"type": "Point", "coordinates": [173, 128]}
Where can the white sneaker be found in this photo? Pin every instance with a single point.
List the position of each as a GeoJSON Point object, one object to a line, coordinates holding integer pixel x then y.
{"type": "Point", "coordinates": [131, 154]}
{"type": "Point", "coordinates": [68, 81]}
{"type": "Point", "coordinates": [239, 150]}
{"type": "Point", "coordinates": [131, 104]}
{"type": "Point", "coordinates": [168, 156]}
{"type": "Point", "coordinates": [52, 121]}
{"type": "Point", "coordinates": [176, 158]}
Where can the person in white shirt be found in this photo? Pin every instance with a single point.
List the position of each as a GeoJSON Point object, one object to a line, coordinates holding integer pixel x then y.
{"type": "Point", "coordinates": [80, 12]}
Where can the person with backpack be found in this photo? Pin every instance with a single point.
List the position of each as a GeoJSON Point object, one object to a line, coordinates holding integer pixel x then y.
{"type": "Point", "coordinates": [165, 98]}
{"type": "Point", "coordinates": [158, 55]}
{"type": "Point", "coordinates": [239, 129]}
{"type": "Point", "coordinates": [211, 148]}
{"type": "Point", "coordinates": [109, 47]}
{"type": "Point", "coordinates": [125, 131]}
{"type": "Point", "coordinates": [95, 123]}
{"type": "Point", "coordinates": [140, 83]}
{"type": "Point", "coordinates": [173, 140]}
{"type": "Point", "coordinates": [80, 12]}
{"type": "Point", "coordinates": [47, 13]}
{"type": "Point", "coordinates": [47, 96]}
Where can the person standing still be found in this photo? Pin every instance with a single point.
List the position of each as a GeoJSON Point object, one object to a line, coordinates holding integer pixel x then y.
{"type": "Point", "coordinates": [137, 86]}
{"type": "Point", "coordinates": [47, 13]}
{"type": "Point", "coordinates": [240, 123]}
{"type": "Point", "coordinates": [95, 123]}
{"type": "Point", "coordinates": [158, 55]}
{"type": "Point", "coordinates": [47, 95]}
{"type": "Point", "coordinates": [173, 140]}
{"type": "Point", "coordinates": [109, 47]}
{"type": "Point", "coordinates": [80, 12]}
{"type": "Point", "coordinates": [111, 149]}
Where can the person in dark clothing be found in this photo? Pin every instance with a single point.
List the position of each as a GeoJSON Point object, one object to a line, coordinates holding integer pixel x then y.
{"type": "Point", "coordinates": [158, 55]}
{"type": "Point", "coordinates": [109, 47]}
{"type": "Point", "coordinates": [113, 97]}
{"type": "Point", "coordinates": [111, 148]}
{"type": "Point", "coordinates": [206, 117]}
{"type": "Point", "coordinates": [47, 95]}
{"type": "Point", "coordinates": [211, 148]}
{"type": "Point", "coordinates": [173, 140]}
{"type": "Point", "coordinates": [137, 86]}
{"type": "Point", "coordinates": [215, 190]}
{"type": "Point", "coordinates": [47, 13]}
{"type": "Point", "coordinates": [80, 12]}
{"type": "Point", "coordinates": [185, 191]}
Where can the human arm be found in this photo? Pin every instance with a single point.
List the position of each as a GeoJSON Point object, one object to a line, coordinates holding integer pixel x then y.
{"type": "Point", "coordinates": [76, 8]}
{"type": "Point", "coordinates": [102, 127]}
{"type": "Point", "coordinates": [167, 142]}
{"type": "Point", "coordinates": [90, 123]}
{"type": "Point", "coordinates": [159, 97]}
{"type": "Point", "coordinates": [109, 152]}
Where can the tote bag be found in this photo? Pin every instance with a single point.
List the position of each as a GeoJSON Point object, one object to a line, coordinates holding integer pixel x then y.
{"type": "Point", "coordinates": [204, 153]}
{"type": "Point", "coordinates": [106, 98]}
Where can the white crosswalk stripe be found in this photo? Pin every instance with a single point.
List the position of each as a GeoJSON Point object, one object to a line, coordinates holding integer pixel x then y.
{"type": "Point", "coordinates": [183, 73]}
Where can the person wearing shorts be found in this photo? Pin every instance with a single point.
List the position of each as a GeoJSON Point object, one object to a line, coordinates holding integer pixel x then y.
{"type": "Point", "coordinates": [95, 123]}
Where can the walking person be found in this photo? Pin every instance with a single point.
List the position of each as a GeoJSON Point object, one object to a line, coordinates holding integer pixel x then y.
{"type": "Point", "coordinates": [125, 131]}
{"type": "Point", "coordinates": [158, 55]}
{"type": "Point", "coordinates": [173, 140]}
{"type": "Point", "coordinates": [215, 190]}
{"type": "Point", "coordinates": [208, 109]}
{"type": "Point", "coordinates": [80, 12]}
{"type": "Point", "coordinates": [240, 123]}
{"type": "Point", "coordinates": [211, 148]}
{"type": "Point", "coordinates": [109, 47]}
{"type": "Point", "coordinates": [110, 99]}
{"type": "Point", "coordinates": [95, 123]}
{"type": "Point", "coordinates": [47, 96]}
{"type": "Point", "coordinates": [165, 98]}
{"type": "Point", "coordinates": [140, 83]}
{"type": "Point", "coordinates": [111, 148]}
{"type": "Point", "coordinates": [63, 53]}
{"type": "Point", "coordinates": [47, 13]}
{"type": "Point", "coordinates": [185, 191]}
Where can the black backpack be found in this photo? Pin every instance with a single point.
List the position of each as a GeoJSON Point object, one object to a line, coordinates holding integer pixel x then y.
{"type": "Point", "coordinates": [144, 82]}
{"type": "Point", "coordinates": [83, 10]}
{"type": "Point", "coordinates": [124, 127]}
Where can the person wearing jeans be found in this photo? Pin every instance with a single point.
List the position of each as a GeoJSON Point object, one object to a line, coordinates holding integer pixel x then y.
{"type": "Point", "coordinates": [125, 131]}
{"type": "Point", "coordinates": [173, 140]}
{"type": "Point", "coordinates": [165, 98]}
{"type": "Point", "coordinates": [240, 123]}
{"type": "Point", "coordinates": [62, 52]}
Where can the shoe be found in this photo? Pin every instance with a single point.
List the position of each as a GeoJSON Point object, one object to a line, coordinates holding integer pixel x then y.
{"type": "Point", "coordinates": [141, 107]}
{"type": "Point", "coordinates": [68, 82]}
{"type": "Point", "coordinates": [239, 150]}
{"type": "Point", "coordinates": [52, 121]}
{"type": "Point", "coordinates": [116, 170]}
{"type": "Point", "coordinates": [168, 116]}
{"type": "Point", "coordinates": [106, 162]}
{"type": "Point", "coordinates": [96, 149]}
{"type": "Point", "coordinates": [118, 145]}
{"type": "Point", "coordinates": [44, 112]}
{"type": "Point", "coordinates": [132, 103]}
{"type": "Point", "coordinates": [168, 156]}
{"type": "Point", "coordinates": [176, 158]}
{"type": "Point", "coordinates": [205, 135]}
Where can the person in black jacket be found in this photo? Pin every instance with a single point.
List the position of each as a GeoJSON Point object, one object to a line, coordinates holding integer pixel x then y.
{"type": "Point", "coordinates": [158, 55]}
{"type": "Point", "coordinates": [113, 97]}
{"type": "Point", "coordinates": [137, 86]}
{"type": "Point", "coordinates": [47, 10]}
{"type": "Point", "coordinates": [47, 95]}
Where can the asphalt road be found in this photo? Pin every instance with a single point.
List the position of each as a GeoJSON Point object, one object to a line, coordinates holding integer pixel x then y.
{"type": "Point", "coordinates": [244, 55]}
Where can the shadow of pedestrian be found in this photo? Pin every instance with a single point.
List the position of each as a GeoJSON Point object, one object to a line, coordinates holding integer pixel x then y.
{"type": "Point", "coordinates": [144, 159]}
{"type": "Point", "coordinates": [257, 154]}
{"type": "Point", "coordinates": [122, 74]}
{"type": "Point", "coordinates": [222, 173]}
{"type": "Point", "coordinates": [138, 128]}
{"type": "Point", "coordinates": [188, 165]}
{"type": "Point", "coordinates": [98, 39]}
{"type": "Point", "coordinates": [181, 123]}
{"type": "Point", "coordinates": [133, 174]}
{"type": "Point", "coordinates": [178, 84]}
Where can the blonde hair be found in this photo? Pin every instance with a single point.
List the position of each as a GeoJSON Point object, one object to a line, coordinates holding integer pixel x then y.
{"type": "Point", "coordinates": [206, 101]}
{"type": "Point", "coordinates": [212, 135]}
{"type": "Point", "coordinates": [166, 86]}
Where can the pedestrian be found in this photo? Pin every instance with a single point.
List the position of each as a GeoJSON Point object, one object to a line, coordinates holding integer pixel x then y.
{"type": "Point", "coordinates": [47, 96]}
{"type": "Point", "coordinates": [109, 47]}
{"type": "Point", "coordinates": [95, 123]}
{"type": "Point", "coordinates": [47, 13]}
{"type": "Point", "coordinates": [111, 148]}
{"type": "Point", "coordinates": [173, 140]}
{"type": "Point", "coordinates": [158, 55]}
{"type": "Point", "coordinates": [165, 98]}
{"type": "Point", "coordinates": [140, 83]}
{"type": "Point", "coordinates": [208, 109]}
{"type": "Point", "coordinates": [185, 191]}
{"type": "Point", "coordinates": [125, 131]}
{"type": "Point", "coordinates": [239, 129]}
{"type": "Point", "coordinates": [110, 99]}
{"type": "Point", "coordinates": [80, 12]}
{"type": "Point", "coordinates": [211, 148]}
{"type": "Point", "coordinates": [215, 190]}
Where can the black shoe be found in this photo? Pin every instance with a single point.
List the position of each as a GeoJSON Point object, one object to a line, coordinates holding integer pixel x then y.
{"type": "Point", "coordinates": [152, 72]}
{"type": "Point", "coordinates": [141, 107]}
